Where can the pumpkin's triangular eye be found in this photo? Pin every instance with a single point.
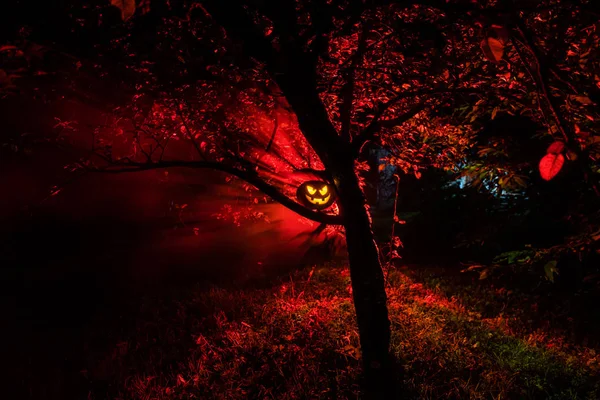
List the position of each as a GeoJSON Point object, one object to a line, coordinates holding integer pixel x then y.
{"type": "Point", "coordinates": [311, 190]}
{"type": "Point", "coordinates": [323, 190]}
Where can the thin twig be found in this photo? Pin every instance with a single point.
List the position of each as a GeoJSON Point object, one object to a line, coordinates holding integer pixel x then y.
{"type": "Point", "coordinates": [393, 225]}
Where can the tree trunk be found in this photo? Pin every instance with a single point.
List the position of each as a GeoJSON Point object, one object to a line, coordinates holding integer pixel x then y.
{"type": "Point", "coordinates": [296, 78]}
{"type": "Point", "coordinates": [368, 287]}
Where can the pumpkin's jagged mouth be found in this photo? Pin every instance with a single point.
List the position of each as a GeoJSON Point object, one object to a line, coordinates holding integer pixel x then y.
{"type": "Point", "coordinates": [317, 200]}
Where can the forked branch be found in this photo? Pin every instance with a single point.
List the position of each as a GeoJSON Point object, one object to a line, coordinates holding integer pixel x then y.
{"type": "Point", "coordinates": [247, 176]}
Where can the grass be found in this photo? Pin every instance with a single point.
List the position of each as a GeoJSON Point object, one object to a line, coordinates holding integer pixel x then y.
{"type": "Point", "coordinates": [297, 339]}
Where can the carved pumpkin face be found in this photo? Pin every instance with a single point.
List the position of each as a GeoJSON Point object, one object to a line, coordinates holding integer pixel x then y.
{"type": "Point", "coordinates": [316, 194]}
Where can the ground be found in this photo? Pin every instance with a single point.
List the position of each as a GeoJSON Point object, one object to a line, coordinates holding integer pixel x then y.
{"type": "Point", "coordinates": [295, 337]}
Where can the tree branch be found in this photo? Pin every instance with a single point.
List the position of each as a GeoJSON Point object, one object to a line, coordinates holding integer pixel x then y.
{"type": "Point", "coordinates": [293, 69]}
{"type": "Point", "coordinates": [234, 18]}
{"type": "Point", "coordinates": [275, 126]}
{"type": "Point", "coordinates": [189, 132]}
{"type": "Point", "coordinates": [347, 92]}
{"type": "Point", "coordinates": [247, 176]}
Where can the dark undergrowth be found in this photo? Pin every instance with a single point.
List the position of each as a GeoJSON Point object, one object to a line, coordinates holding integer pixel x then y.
{"type": "Point", "coordinates": [297, 340]}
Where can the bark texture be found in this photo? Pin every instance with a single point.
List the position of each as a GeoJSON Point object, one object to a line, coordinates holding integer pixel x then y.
{"type": "Point", "coordinates": [368, 286]}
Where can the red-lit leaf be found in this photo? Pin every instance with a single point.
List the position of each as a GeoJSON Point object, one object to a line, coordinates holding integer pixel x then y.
{"type": "Point", "coordinates": [181, 380]}
{"type": "Point", "coordinates": [550, 165]}
{"type": "Point", "coordinates": [492, 49]}
{"type": "Point", "coordinates": [397, 242]}
{"type": "Point", "coordinates": [398, 220]}
{"type": "Point", "coordinates": [127, 8]}
{"type": "Point", "coordinates": [582, 99]}
{"type": "Point", "coordinates": [556, 148]}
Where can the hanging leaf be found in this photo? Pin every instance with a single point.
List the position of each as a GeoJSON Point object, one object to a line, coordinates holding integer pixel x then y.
{"type": "Point", "coordinates": [556, 148]}
{"type": "Point", "coordinates": [493, 49]}
{"type": "Point", "coordinates": [127, 8]}
{"type": "Point", "coordinates": [484, 274]}
{"type": "Point", "coordinates": [550, 165]}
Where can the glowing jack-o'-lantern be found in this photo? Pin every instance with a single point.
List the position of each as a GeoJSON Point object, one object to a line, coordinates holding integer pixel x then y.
{"type": "Point", "coordinates": [316, 194]}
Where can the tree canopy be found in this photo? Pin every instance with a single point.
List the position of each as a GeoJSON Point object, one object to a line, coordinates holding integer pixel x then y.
{"type": "Point", "coordinates": [419, 78]}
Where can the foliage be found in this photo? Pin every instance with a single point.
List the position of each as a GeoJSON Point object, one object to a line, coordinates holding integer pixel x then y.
{"type": "Point", "coordinates": [278, 93]}
{"type": "Point", "coordinates": [472, 91]}
{"type": "Point", "coordinates": [583, 246]}
{"type": "Point", "coordinates": [432, 83]}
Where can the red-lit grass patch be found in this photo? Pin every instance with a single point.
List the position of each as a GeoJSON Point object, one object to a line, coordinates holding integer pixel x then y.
{"type": "Point", "coordinates": [451, 352]}
{"type": "Point", "coordinates": [297, 339]}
